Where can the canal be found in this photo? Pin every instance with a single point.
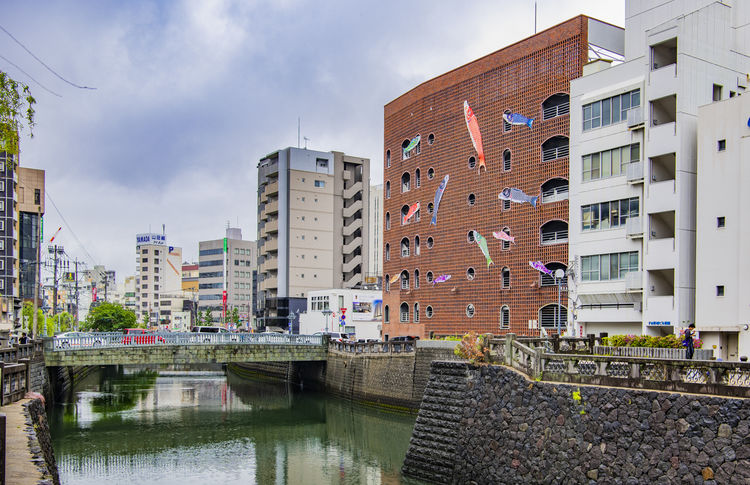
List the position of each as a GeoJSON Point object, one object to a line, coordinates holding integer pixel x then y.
{"type": "Point", "coordinates": [137, 427]}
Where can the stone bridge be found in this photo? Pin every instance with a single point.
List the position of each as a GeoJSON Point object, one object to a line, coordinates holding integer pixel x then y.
{"type": "Point", "coordinates": [173, 348]}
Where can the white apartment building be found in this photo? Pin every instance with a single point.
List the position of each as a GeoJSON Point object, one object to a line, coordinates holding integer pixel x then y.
{"type": "Point", "coordinates": [313, 229]}
{"type": "Point", "coordinates": [722, 263]}
{"type": "Point", "coordinates": [158, 270]}
{"type": "Point", "coordinates": [633, 162]}
{"type": "Point", "coordinates": [352, 311]}
{"type": "Point", "coordinates": [227, 276]}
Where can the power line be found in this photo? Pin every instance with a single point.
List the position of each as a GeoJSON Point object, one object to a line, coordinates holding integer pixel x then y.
{"type": "Point", "coordinates": [69, 228]}
{"type": "Point", "coordinates": [30, 77]}
{"type": "Point", "coordinates": [42, 62]}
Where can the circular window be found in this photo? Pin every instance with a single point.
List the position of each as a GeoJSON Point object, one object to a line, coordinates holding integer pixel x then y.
{"type": "Point", "coordinates": [431, 173]}
{"type": "Point", "coordinates": [472, 199]}
{"type": "Point", "coordinates": [428, 311]}
{"type": "Point", "coordinates": [430, 242]}
{"type": "Point", "coordinates": [430, 207]}
{"type": "Point", "coordinates": [470, 236]}
{"type": "Point", "coordinates": [469, 310]}
{"type": "Point", "coordinates": [429, 277]}
{"type": "Point", "coordinates": [470, 274]}
{"type": "Point", "coordinates": [430, 139]}
{"type": "Point", "coordinates": [472, 162]}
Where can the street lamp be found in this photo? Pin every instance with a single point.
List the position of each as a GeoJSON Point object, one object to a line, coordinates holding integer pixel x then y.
{"type": "Point", "coordinates": [327, 312]}
{"type": "Point", "coordinates": [559, 275]}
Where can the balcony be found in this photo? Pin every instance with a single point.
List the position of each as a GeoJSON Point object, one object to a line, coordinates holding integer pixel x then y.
{"type": "Point", "coordinates": [662, 196]}
{"type": "Point", "coordinates": [349, 248]}
{"type": "Point", "coordinates": [634, 227]}
{"type": "Point", "coordinates": [350, 228]}
{"type": "Point", "coordinates": [270, 264]}
{"type": "Point", "coordinates": [272, 188]}
{"type": "Point", "coordinates": [635, 118]}
{"type": "Point", "coordinates": [663, 81]}
{"type": "Point", "coordinates": [349, 267]}
{"type": "Point", "coordinates": [272, 207]}
{"type": "Point", "coordinates": [353, 280]}
{"type": "Point", "coordinates": [353, 190]}
{"type": "Point", "coordinates": [634, 281]}
{"type": "Point", "coordinates": [635, 172]}
{"type": "Point", "coordinates": [271, 245]}
{"type": "Point", "coordinates": [270, 283]}
{"type": "Point", "coordinates": [555, 194]}
{"type": "Point", "coordinates": [272, 227]}
{"type": "Point", "coordinates": [661, 254]}
{"type": "Point", "coordinates": [352, 209]}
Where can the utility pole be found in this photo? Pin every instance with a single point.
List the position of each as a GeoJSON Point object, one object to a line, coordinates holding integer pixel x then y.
{"type": "Point", "coordinates": [76, 288]}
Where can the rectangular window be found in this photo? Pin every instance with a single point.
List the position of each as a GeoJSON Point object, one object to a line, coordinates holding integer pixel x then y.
{"type": "Point", "coordinates": [320, 183]}
{"type": "Point", "coordinates": [610, 110]}
{"type": "Point", "coordinates": [720, 290]}
{"type": "Point", "coordinates": [606, 215]}
{"type": "Point", "coordinates": [605, 267]}
{"type": "Point", "coordinates": [609, 163]}
{"type": "Point", "coordinates": [722, 145]}
{"type": "Point", "coordinates": [720, 221]}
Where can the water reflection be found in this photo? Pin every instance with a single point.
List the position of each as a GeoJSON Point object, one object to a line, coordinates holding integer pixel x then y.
{"type": "Point", "coordinates": [141, 428]}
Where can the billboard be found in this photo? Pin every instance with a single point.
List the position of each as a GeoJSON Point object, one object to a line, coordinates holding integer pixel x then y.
{"type": "Point", "coordinates": [366, 308]}
{"type": "Point", "coordinates": [151, 238]}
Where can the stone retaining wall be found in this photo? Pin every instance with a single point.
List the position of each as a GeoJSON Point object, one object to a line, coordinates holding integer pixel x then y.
{"type": "Point", "coordinates": [40, 440]}
{"type": "Point", "coordinates": [387, 379]}
{"type": "Point", "coordinates": [38, 381]}
{"type": "Point", "coordinates": [513, 430]}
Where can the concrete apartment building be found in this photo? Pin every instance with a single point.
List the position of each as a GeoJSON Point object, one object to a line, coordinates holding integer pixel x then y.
{"type": "Point", "coordinates": [374, 277]}
{"type": "Point", "coordinates": [313, 228]}
{"type": "Point", "coordinates": [227, 275]}
{"type": "Point", "coordinates": [722, 263]}
{"type": "Point", "coordinates": [158, 270]}
{"type": "Point", "coordinates": [9, 257]}
{"type": "Point", "coordinates": [633, 163]}
{"type": "Point", "coordinates": [31, 210]}
{"type": "Point", "coordinates": [531, 78]}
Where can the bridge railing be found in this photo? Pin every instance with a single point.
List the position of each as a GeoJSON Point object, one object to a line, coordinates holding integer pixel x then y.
{"type": "Point", "coordinates": [14, 369]}
{"type": "Point", "coordinates": [116, 339]}
{"type": "Point", "coordinates": [674, 375]}
{"type": "Point", "coordinates": [388, 347]}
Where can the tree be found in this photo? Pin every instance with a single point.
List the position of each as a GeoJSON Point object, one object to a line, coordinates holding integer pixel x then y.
{"type": "Point", "coordinates": [16, 110]}
{"type": "Point", "coordinates": [234, 316]}
{"type": "Point", "coordinates": [208, 318]}
{"type": "Point", "coordinates": [27, 317]}
{"type": "Point", "coordinates": [198, 317]}
{"type": "Point", "coordinates": [62, 321]}
{"type": "Point", "coordinates": [109, 317]}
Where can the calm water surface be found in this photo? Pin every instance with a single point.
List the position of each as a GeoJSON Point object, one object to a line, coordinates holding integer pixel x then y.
{"type": "Point", "coordinates": [133, 428]}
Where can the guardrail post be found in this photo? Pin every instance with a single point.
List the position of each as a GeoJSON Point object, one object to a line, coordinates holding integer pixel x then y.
{"type": "Point", "coordinates": [536, 366]}
{"type": "Point", "coordinates": [556, 343]}
{"type": "Point", "coordinates": [509, 338]}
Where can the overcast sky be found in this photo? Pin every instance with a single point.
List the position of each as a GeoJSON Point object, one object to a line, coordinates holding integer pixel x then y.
{"type": "Point", "coordinates": [191, 94]}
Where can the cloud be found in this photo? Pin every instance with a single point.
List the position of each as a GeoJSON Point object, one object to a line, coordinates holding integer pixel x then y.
{"type": "Point", "coordinates": [191, 94]}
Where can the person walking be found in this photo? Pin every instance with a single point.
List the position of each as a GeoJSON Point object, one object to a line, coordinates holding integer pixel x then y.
{"type": "Point", "coordinates": [688, 341]}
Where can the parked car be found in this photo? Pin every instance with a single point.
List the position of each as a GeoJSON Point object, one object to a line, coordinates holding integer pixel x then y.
{"type": "Point", "coordinates": [404, 338]}
{"type": "Point", "coordinates": [141, 336]}
{"type": "Point", "coordinates": [335, 336]}
{"type": "Point", "coordinates": [209, 331]}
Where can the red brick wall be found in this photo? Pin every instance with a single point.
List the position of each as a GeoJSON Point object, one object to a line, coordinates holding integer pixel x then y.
{"type": "Point", "coordinates": [519, 78]}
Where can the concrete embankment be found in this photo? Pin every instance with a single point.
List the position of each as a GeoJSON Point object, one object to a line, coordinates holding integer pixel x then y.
{"type": "Point", "coordinates": [392, 380]}
{"type": "Point", "coordinates": [491, 424]}
{"type": "Point", "coordinates": [29, 457]}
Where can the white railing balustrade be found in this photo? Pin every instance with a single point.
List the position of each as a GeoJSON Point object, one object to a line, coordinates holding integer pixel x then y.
{"type": "Point", "coordinates": [115, 339]}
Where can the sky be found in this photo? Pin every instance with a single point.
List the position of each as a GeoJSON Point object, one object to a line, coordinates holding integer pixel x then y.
{"type": "Point", "coordinates": [191, 94]}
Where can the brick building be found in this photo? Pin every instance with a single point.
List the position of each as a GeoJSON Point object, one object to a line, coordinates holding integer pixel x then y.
{"type": "Point", "coordinates": [532, 78]}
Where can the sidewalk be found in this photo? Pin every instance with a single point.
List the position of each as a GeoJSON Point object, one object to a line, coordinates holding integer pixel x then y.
{"type": "Point", "coordinates": [20, 468]}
